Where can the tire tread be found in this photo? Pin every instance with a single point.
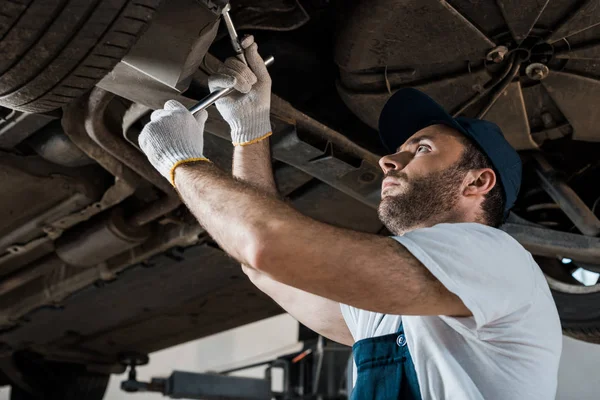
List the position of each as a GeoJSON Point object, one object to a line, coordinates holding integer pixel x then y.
{"type": "Point", "coordinates": [94, 46]}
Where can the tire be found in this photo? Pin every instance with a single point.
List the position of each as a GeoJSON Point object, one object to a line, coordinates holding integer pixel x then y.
{"type": "Point", "coordinates": [54, 381]}
{"type": "Point", "coordinates": [55, 50]}
{"type": "Point", "coordinates": [579, 312]}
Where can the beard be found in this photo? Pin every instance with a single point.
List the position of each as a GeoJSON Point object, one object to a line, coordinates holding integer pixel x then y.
{"type": "Point", "coordinates": [425, 200]}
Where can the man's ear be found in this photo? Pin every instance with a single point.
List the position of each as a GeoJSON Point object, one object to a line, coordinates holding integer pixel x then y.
{"type": "Point", "coordinates": [479, 182]}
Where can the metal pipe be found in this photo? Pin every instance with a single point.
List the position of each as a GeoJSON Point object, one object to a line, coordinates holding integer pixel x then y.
{"type": "Point", "coordinates": [115, 144]}
{"type": "Point", "coordinates": [53, 145]}
{"type": "Point", "coordinates": [153, 211]}
{"type": "Point", "coordinates": [73, 125]}
{"type": "Point", "coordinates": [501, 88]}
{"type": "Point", "coordinates": [478, 96]}
{"type": "Point", "coordinates": [550, 243]}
{"type": "Point", "coordinates": [285, 110]}
{"type": "Point", "coordinates": [100, 240]}
{"type": "Point", "coordinates": [120, 149]}
{"type": "Point", "coordinates": [577, 211]}
{"type": "Point", "coordinates": [29, 273]}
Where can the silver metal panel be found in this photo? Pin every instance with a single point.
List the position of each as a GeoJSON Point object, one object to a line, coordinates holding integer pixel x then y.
{"type": "Point", "coordinates": [160, 65]}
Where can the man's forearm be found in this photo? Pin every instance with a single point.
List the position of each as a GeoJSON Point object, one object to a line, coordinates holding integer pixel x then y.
{"type": "Point", "coordinates": [252, 164]}
{"type": "Point", "coordinates": [234, 213]}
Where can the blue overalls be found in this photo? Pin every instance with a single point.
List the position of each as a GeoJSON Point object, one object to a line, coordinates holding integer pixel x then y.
{"type": "Point", "coordinates": [385, 369]}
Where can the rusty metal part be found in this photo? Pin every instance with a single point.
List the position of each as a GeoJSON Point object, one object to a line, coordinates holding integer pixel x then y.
{"type": "Point", "coordinates": [453, 92]}
{"type": "Point", "coordinates": [13, 240]}
{"type": "Point", "coordinates": [53, 145]}
{"type": "Point", "coordinates": [363, 183]}
{"type": "Point", "coordinates": [100, 240]}
{"type": "Point", "coordinates": [134, 113]}
{"type": "Point", "coordinates": [29, 273]}
{"type": "Point", "coordinates": [497, 54]}
{"type": "Point", "coordinates": [376, 23]}
{"type": "Point", "coordinates": [64, 281]}
{"type": "Point", "coordinates": [153, 211]}
{"type": "Point", "coordinates": [271, 15]}
{"type": "Point", "coordinates": [582, 18]}
{"type": "Point", "coordinates": [521, 16]}
{"type": "Point", "coordinates": [498, 90]}
{"type": "Point", "coordinates": [537, 71]}
{"type": "Point", "coordinates": [450, 74]}
{"type": "Point", "coordinates": [73, 122]}
{"type": "Point", "coordinates": [550, 243]}
{"type": "Point", "coordinates": [17, 126]}
{"type": "Point", "coordinates": [576, 96]}
{"type": "Point", "coordinates": [115, 144]}
{"type": "Point", "coordinates": [516, 129]}
{"type": "Point", "coordinates": [577, 211]}
{"type": "Point", "coordinates": [54, 221]}
{"type": "Point", "coordinates": [303, 122]}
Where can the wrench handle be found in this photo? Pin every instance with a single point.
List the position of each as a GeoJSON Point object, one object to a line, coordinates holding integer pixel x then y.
{"type": "Point", "coordinates": [217, 94]}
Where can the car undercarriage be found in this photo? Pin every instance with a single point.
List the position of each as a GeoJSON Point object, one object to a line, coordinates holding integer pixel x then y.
{"type": "Point", "coordinates": [98, 256]}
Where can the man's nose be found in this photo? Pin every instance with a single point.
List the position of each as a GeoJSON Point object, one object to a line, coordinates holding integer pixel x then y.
{"type": "Point", "coordinates": [392, 162]}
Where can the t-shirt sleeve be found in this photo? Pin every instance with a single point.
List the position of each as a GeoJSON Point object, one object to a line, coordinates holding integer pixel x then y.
{"type": "Point", "coordinates": [350, 315]}
{"type": "Point", "coordinates": [486, 268]}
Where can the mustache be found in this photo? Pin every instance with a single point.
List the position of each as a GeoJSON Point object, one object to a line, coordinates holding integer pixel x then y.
{"type": "Point", "coordinates": [396, 174]}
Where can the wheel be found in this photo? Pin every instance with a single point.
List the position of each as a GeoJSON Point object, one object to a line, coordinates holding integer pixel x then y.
{"type": "Point", "coordinates": [576, 299]}
{"type": "Point", "coordinates": [55, 50]}
{"type": "Point", "coordinates": [58, 381]}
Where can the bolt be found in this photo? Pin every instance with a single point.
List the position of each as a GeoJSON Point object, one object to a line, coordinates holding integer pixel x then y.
{"type": "Point", "coordinates": [547, 120]}
{"type": "Point", "coordinates": [497, 54]}
{"type": "Point", "coordinates": [537, 71]}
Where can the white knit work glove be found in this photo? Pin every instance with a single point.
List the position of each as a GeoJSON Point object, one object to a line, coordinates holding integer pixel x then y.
{"type": "Point", "coordinates": [173, 137]}
{"type": "Point", "coordinates": [246, 110]}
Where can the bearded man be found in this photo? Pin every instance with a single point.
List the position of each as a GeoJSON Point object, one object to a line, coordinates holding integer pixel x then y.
{"type": "Point", "coordinates": [450, 307]}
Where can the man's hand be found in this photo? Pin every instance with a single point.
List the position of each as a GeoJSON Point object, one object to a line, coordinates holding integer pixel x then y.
{"type": "Point", "coordinates": [247, 110]}
{"type": "Point", "coordinates": [173, 137]}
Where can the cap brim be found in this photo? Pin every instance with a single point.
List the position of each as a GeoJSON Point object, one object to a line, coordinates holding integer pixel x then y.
{"type": "Point", "coordinates": [407, 112]}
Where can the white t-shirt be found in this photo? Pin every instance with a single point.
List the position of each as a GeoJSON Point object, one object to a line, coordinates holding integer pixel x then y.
{"type": "Point", "coordinates": [508, 349]}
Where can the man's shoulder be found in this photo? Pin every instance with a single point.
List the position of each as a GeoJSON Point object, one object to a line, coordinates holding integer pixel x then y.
{"type": "Point", "coordinates": [471, 234]}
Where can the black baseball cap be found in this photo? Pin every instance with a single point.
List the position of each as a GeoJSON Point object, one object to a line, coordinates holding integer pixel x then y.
{"type": "Point", "coordinates": [409, 110]}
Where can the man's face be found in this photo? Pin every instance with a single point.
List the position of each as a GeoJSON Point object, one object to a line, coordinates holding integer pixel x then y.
{"type": "Point", "coordinates": [423, 182]}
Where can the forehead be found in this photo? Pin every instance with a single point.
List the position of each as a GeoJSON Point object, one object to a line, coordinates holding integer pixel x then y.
{"type": "Point", "coordinates": [439, 134]}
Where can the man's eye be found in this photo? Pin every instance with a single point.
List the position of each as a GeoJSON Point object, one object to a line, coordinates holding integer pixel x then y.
{"type": "Point", "coordinates": [422, 149]}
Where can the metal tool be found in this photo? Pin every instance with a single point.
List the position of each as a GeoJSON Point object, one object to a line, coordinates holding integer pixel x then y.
{"type": "Point", "coordinates": [216, 95]}
{"type": "Point", "coordinates": [237, 47]}
{"type": "Point", "coordinates": [235, 40]}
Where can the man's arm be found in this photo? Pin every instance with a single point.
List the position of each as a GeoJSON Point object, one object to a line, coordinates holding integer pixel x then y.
{"type": "Point", "coordinates": [362, 270]}
{"type": "Point", "coordinates": [252, 164]}
{"type": "Point", "coordinates": [247, 112]}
